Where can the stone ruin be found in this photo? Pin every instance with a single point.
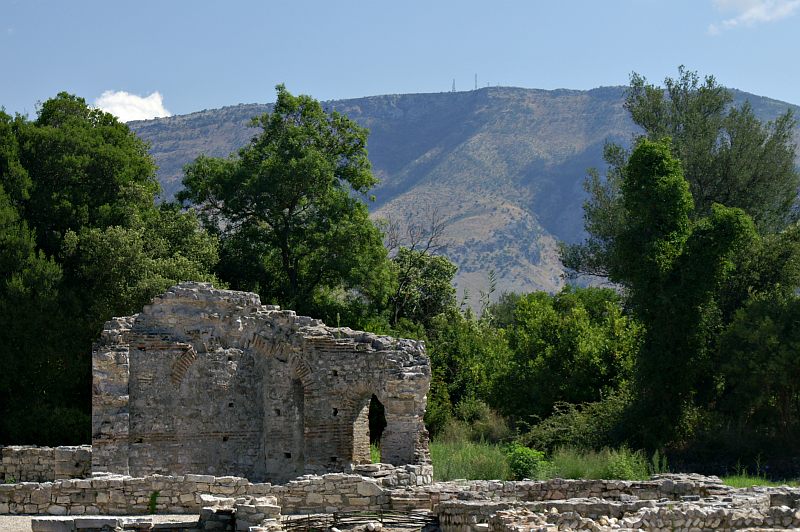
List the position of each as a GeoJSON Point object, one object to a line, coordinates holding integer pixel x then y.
{"type": "Point", "coordinates": [213, 382]}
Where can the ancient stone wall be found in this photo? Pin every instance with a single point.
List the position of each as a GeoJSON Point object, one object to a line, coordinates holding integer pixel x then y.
{"type": "Point", "coordinates": [119, 495]}
{"type": "Point", "coordinates": [211, 381]}
{"type": "Point", "coordinates": [674, 502]}
{"type": "Point", "coordinates": [22, 463]}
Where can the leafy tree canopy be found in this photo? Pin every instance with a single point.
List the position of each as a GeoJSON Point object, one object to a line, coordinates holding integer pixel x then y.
{"type": "Point", "coordinates": [86, 169]}
{"type": "Point", "coordinates": [673, 270]}
{"type": "Point", "coordinates": [573, 347]}
{"type": "Point", "coordinates": [727, 157]}
{"type": "Point", "coordinates": [286, 206]}
{"type": "Point", "coordinates": [424, 286]}
{"type": "Point", "coordinates": [82, 241]}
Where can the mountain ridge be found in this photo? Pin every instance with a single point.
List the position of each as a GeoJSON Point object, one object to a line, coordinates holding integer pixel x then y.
{"type": "Point", "coordinates": [502, 166]}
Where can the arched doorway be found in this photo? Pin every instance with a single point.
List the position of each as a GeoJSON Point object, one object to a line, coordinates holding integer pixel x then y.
{"type": "Point", "coordinates": [368, 426]}
{"type": "Point", "coordinates": [376, 415]}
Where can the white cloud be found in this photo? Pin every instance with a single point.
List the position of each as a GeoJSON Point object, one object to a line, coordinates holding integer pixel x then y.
{"type": "Point", "coordinates": [127, 106]}
{"type": "Point", "coordinates": [751, 12]}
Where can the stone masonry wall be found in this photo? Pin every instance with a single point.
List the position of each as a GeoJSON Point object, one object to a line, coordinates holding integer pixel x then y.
{"type": "Point", "coordinates": [120, 495]}
{"type": "Point", "coordinates": [259, 392]}
{"type": "Point", "coordinates": [42, 464]}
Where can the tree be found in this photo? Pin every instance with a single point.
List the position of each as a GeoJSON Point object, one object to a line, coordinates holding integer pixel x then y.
{"type": "Point", "coordinates": [87, 170]}
{"type": "Point", "coordinates": [673, 269]}
{"type": "Point", "coordinates": [726, 154]}
{"type": "Point", "coordinates": [28, 288]}
{"type": "Point", "coordinates": [285, 207]}
{"type": "Point", "coordinates": [574, 347]}
{"type": "Point", "coordinates": [424, 286]}
{"type": "Point", "coordinates": [761, 370]}
{"type": "Point", "coordinates": [82, 241]}
{"type": "Point", "coordinates": [423, 280]}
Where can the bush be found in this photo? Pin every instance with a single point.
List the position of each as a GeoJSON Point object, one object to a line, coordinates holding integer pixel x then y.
{"type": "Point", "coordinates": [587, 426]}
{"type": "Point", "coordinates": [525, 462]}
{"type": "Point", "coordinates": [471, 410]}
{"type": "Point", "coordinates": [475, 422]}
{"type": "Point", "coordinates": [437, 413]}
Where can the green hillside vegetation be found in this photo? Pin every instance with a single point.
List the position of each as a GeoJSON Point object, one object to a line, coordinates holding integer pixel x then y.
{"type": "Point", "coordinates": [690, 361]}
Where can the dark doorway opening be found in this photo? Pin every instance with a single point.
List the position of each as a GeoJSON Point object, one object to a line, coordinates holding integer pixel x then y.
{"type": "Point", "coordinates": [377, 420]}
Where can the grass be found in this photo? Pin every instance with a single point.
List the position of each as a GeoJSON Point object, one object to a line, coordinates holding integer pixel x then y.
{"type": "Point", "coordinates": [483, 461]}
{"type": "Point", "coordinates": [374, 453]}
{"type": "Point", "coordinates": [468, 460]}
{"type": "Point", "coordinates": [619, 463]}
{"type": "Point", "coordinates": [743, 480]}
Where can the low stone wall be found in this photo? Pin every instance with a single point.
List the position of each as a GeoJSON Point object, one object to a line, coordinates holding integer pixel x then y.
{"type": "Point", "coordinates": [670, 487]}
{"type": "Point", "coordinates": [672, 502]}
{"type": "Point", "coordinates": [390, 476]}
{"type": "Point", "coordinates": [43, 464]}
{"type": "Point", "coordinates": [118, 495]}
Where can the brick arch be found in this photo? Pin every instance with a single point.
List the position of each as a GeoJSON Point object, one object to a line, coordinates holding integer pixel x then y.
{"type": "Point", "coordinates": [354, 434]}
{"type": "Point", "coordinates": [182, 363]}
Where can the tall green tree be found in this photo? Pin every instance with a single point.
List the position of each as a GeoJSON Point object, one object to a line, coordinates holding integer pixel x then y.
{"type": "Point", "coordinates": [28, 296]}
{"type": "Point", "coordinates": [287, 210]}
{"type": "Point", "coordinates": [87, 169]}
{"type": "Point", "coordinates": [83, 241]}
{"type": "Point", "coordinates": [673, 269]}
{"type": "Point", "coordinates": [727, 156]}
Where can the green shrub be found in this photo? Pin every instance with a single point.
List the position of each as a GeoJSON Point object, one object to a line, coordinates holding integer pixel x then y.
{"type": "Point", "coordinates": [586, 426]}
{"type": "Point", "coordinates": [439, 410]}
{"type": "Point", "coordinates": [476, 422]}
{"type": "Point", "coordinates": [626, 465]}
{"type": "Point", "coordinates": [525, 462]}
{"type": "Point", "coordinates": [471, 410]}
{"type": "Point", "coordinates": [492, 429]}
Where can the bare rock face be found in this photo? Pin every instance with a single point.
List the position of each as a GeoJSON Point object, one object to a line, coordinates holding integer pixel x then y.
{"type": "Point", "coordinates": [212, 381]}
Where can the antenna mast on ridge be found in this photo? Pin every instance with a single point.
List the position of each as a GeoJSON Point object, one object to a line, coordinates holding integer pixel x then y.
{"type": "Point", "coordinates": [454, 86]}
{"type": "Point", "coordinates": [476, 82]}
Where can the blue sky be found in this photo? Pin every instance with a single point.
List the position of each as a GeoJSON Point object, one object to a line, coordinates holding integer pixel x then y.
{"type": "Point", "coordinates": [192, 55]}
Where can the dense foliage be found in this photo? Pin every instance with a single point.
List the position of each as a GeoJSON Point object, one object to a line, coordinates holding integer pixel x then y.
{"type": "Point", "coordinates": [82, 241]}
{"type": "Point", "coordinates": [286, 210]}
{"type": "Point", "coordinates": [574, 347]}
{"type": "Point", "coordinates": [698, 226]}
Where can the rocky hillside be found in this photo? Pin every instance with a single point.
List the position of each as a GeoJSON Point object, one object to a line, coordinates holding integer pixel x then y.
{"type": "Point", "coordinates": [503, 167]}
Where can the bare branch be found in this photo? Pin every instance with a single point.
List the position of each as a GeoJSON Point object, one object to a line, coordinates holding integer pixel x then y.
{"type": "Point", "coordinates": [423, 231]}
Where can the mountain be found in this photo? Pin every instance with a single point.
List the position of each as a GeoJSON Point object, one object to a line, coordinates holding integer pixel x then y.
{"type": "Point", "coordinates": [503, 167]}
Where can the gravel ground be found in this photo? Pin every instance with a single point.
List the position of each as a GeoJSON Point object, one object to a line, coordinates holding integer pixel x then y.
{"type": "Point", "coordinates": [22, 523]}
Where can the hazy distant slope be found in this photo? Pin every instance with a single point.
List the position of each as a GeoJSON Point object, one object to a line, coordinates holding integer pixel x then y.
{"type": "Point", "coordinates": [504, 166]}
